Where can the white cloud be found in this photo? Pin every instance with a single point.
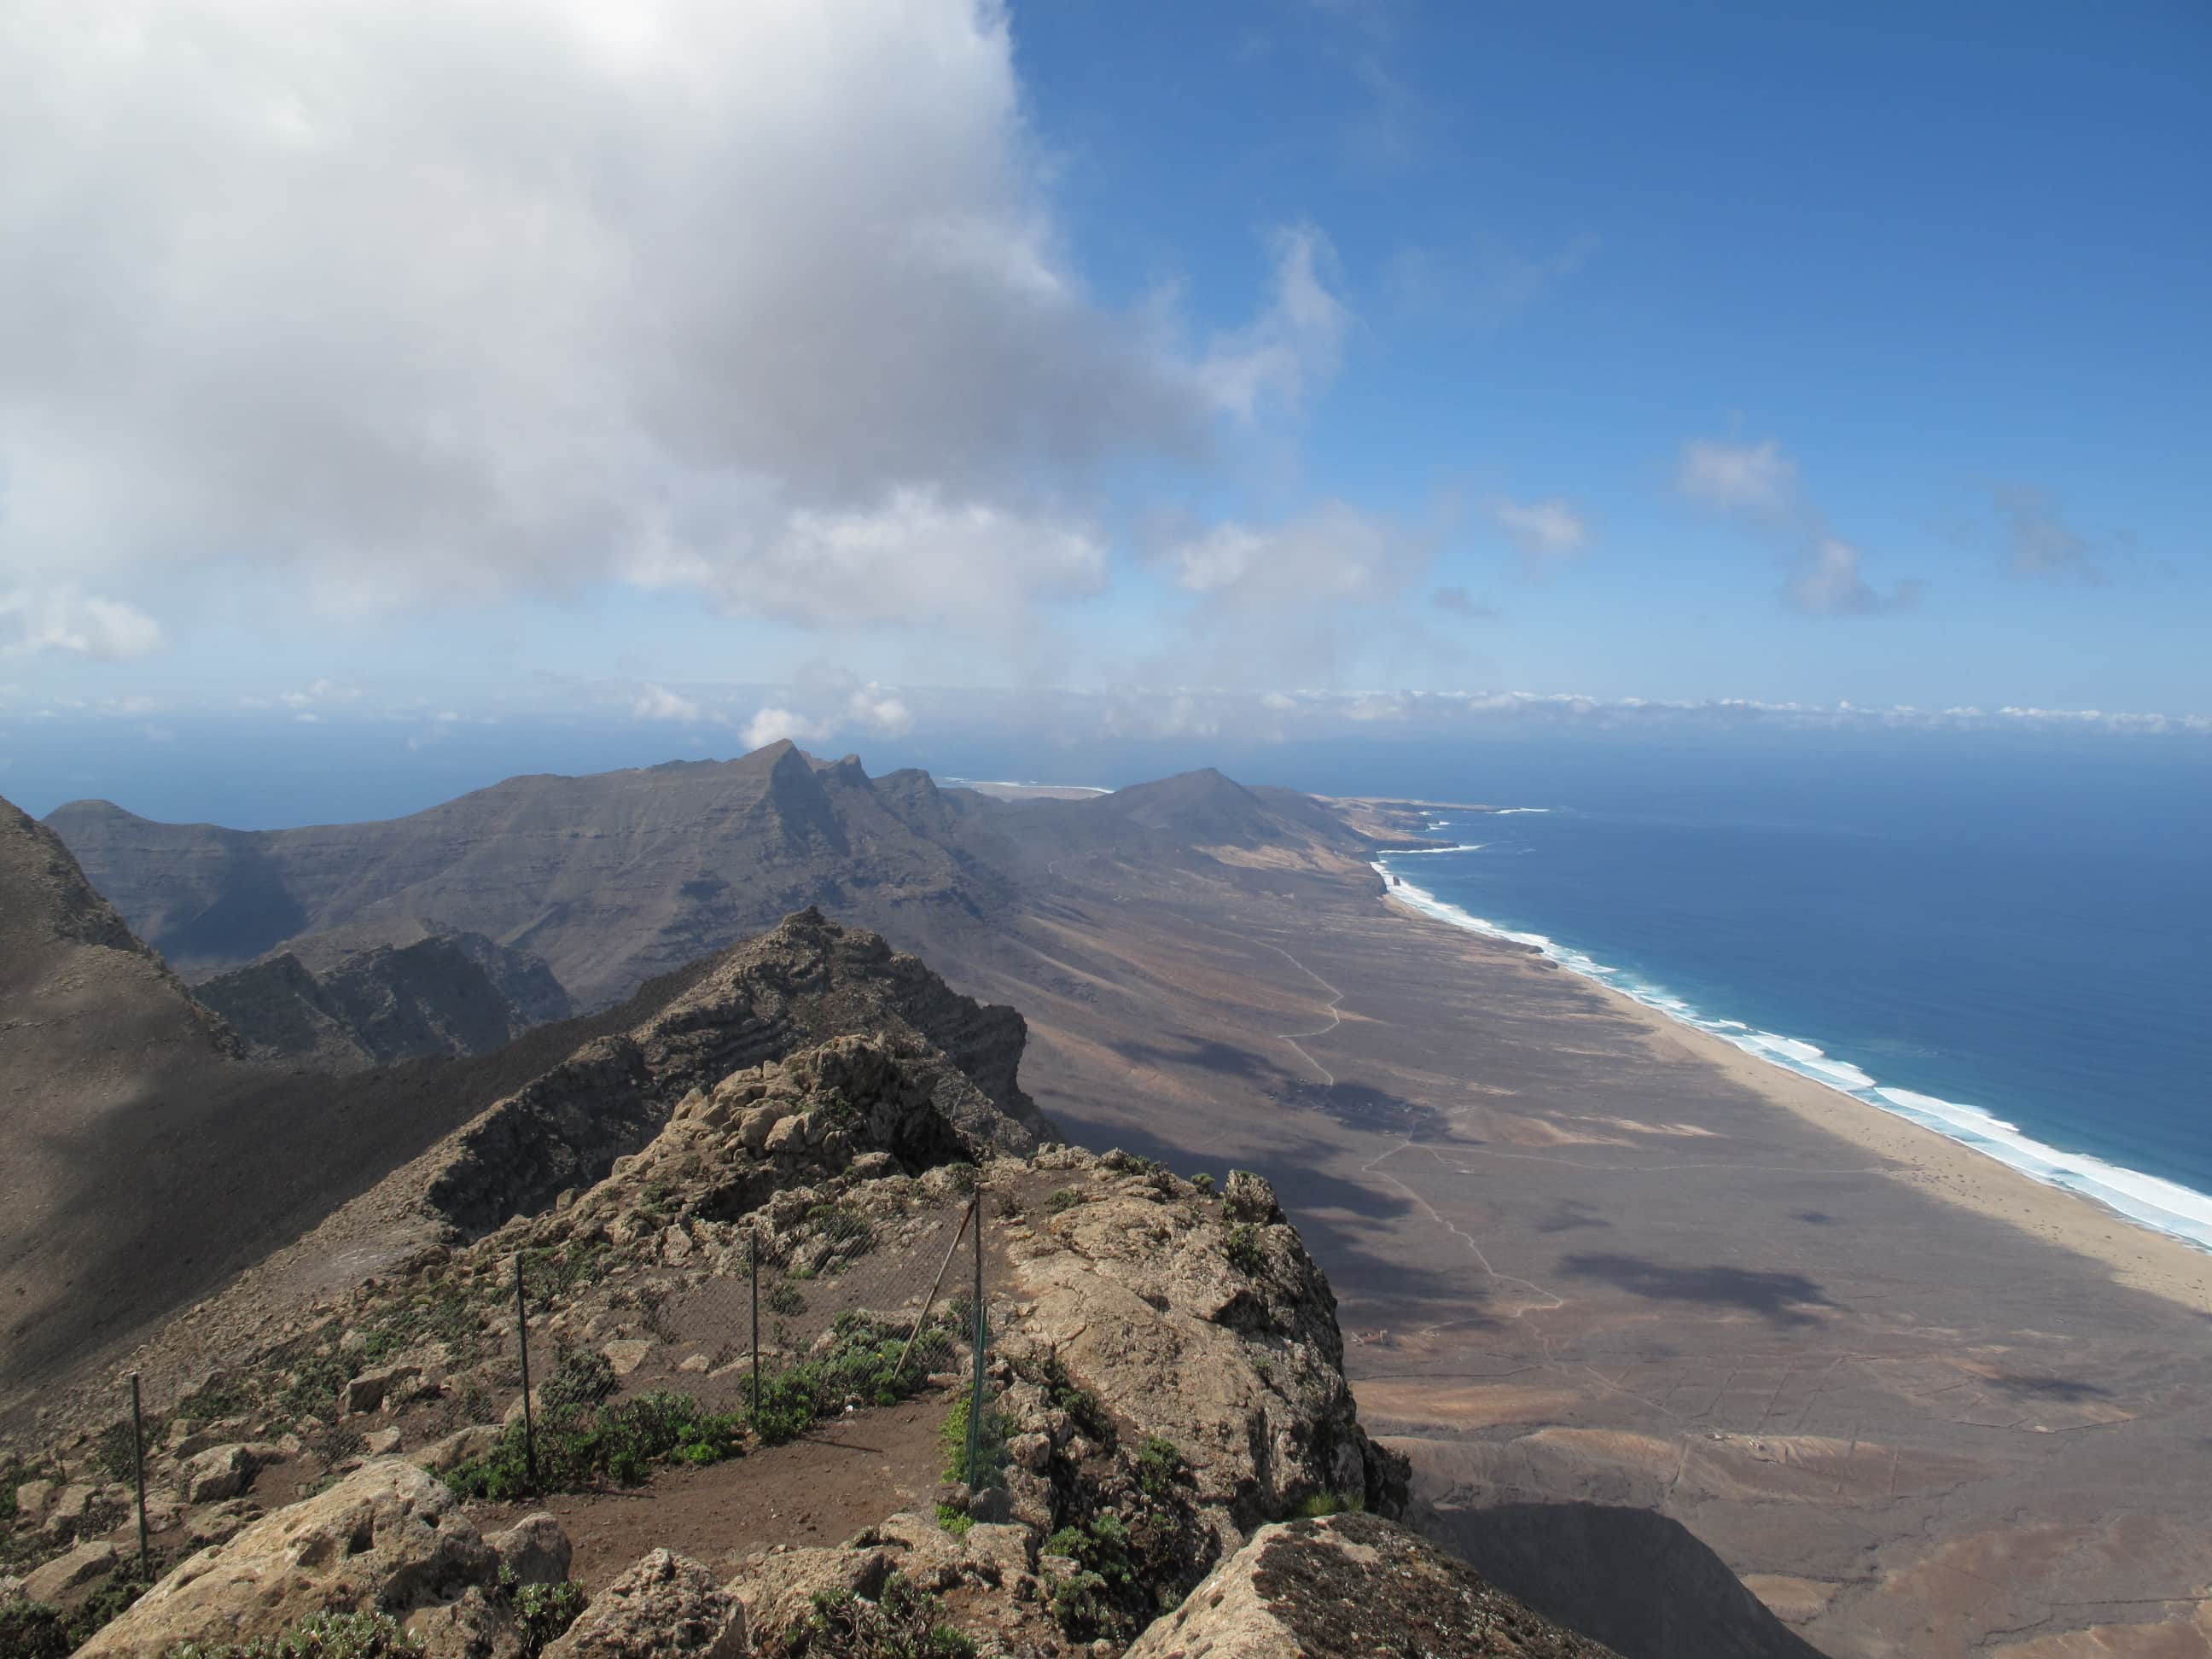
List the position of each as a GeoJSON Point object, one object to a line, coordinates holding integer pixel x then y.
{"type": "Point", "coordinates": [656, 703]}
{"type": "Point", "coordinates": [2040, 543]}
{"type": "Point", "coordinates": [1335, 554]}
{"type": "Point", "coordinates": [1759, 483]}
{"type": "Point", "coordinates": [417, 303]}
{"type": "Point", "coordinates": [1549, 529]}
{"type": "Point", "coordinates": [63, 617]}
{"type": "Point", "coordinates": [321, 692]}
{"type": "Point", "coordinates": [1294, 345]}
{"type": "Point", "coordinates": [1828, 582]}
{"type": "Point", "coordinates": [1757, 478]}
{"type": "Point", "coordinates": [775, 725]}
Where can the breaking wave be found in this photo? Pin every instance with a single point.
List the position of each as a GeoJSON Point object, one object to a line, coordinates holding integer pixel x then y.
{"type": "Point", "coordinates": [2149, 1202]}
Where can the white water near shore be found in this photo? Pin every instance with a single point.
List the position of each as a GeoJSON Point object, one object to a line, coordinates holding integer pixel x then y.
{"type": "Point", "coordinates": [2146, 1200]}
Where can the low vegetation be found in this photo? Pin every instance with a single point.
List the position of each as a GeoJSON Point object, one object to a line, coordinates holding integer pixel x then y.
{"type": "Point", "coordinates": [368, 1635]}
{"type": "Point", "coordinates": [904, 1622]}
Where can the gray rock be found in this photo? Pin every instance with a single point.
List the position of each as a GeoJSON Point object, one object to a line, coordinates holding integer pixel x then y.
{"type": "Point", "coordinates": [64, 1573]}
{"type": "Point", "coordinates": [1352, 1585]}
{"type": "Point", "coordinates": [534, 1549]}
{"type": "Point", "coordinates": [218, 1472]}
{"type": "Point", "coordinates": [666, 1606]}
{"type": "Point", "coordinates": [388, 1536]}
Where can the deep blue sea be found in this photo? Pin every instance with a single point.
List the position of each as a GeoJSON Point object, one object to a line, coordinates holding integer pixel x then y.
{"type": "Point", "coordinates": [2015, 948]}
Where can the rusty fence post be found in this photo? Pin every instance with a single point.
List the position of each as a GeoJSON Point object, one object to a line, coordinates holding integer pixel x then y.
{"type": "Point", "coordinates": [522, 1338]}
{"type": "Point", "coordinates": [138, 1468]}
{"type": "Point", "coordinates": [976, 1399]}
{"type": "Point", "coordinates": [753, 1237]}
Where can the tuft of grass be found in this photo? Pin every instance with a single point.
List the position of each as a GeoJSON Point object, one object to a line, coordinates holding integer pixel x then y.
{"type": "Point", "coordinates": [954, 1519]}
{"type": "Point", "coordinates": [990, 1444]}
{"type": "Point", "coordinates": [1331, 1502]}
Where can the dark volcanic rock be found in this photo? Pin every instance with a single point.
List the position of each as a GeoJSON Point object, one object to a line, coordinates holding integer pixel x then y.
{"type": "Point", "coordinates": [796, 987]}
{"type": "Point", "coordinates": [437, 996]}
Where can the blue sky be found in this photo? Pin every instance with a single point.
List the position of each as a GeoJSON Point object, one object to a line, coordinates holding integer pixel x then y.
{"type": "Point", "coordinates": [717, 372]}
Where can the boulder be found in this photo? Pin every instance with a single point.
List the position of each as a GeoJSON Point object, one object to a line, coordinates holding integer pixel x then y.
{"type": "Point", "coordinates": [216, 1474]}
{"type": "Point", "coordinates": [218, 1523]}
{"type": "Point", "coordinates": [31, 1498]}
{"type": "Point", "coordinates": [387, 1535]}
{"type": "Point", "coordinates": [1352, 1585]}
{"type": "Point", "coordinates": [388, 1385]}
{"type": "Point", "coordinates": [458, 1448]}
{"type": "Point", "coordinates": [64, 1573]}
{"type": "Point", "coordinates": [666, 1606]}
{"type": "Point", "coordinates": [534, 1549]}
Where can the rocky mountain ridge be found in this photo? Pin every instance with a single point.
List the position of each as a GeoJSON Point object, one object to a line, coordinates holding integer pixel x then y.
{"type": "Point", "coordinates": [612, 877]}
{"type": "Point", "coordinates": [1165, 1378]}
{"type": "Point", "coordinates": [455, 996]}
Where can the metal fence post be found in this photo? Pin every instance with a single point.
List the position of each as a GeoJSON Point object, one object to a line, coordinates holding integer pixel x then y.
{"type": "Point", "coordinates": [138, 1467]}
{"type": "Point", "coordinates": [976, 1399]}
{"type": "Point", "coordinates": [753, 1236]}
{"type": "Point", "coordinates": [522, 1337]}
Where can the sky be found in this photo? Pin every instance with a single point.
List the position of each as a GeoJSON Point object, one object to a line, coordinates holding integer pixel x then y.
{"type": "Point", "coordinates": [701, 374]}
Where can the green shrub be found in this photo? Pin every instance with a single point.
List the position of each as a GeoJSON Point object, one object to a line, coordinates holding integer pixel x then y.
{"type": "Point", "coordinates": [1094, 1600]}
{"type": "Point", "coordinates": [1080, 1404]}
{"type": "Point", "coordinates": [1204, 1182]}
{"type": "Point", "coordinates": [116, 1452]}
{"type": "Point", "coordinates": [954, 1519]}
{"type": "Point", "coordinates": [318, 1636]}
{"type": "Point", "coordinates": [787, 1298]}
{"type": "Point", "coordinates": [621, 1443]}
{"type": "Point", "coordinates": [1159, 1468]}
{"type": "Point", "coordinates": [1242, 1248]}
{"type": "Point", "coordinates": [1062, 1199]}
{"type": "Point", "coordinates": [861, 1367]}
{"type": "Point", "coordinates": [542, 1613]}
{"type": "Point", "coordinates": [904, 1622]}
{"type": "Point", "coordinates": [990, 1445]}
{"type": "Point", "coordinates": [32, 1630]}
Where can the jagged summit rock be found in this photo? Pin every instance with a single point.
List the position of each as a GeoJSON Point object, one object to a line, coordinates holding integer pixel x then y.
{"type": "Point", "coordinates": [611, 878]}
{"type": "Point", "coordinates": [461, 995]}
{"type": "Point", "coordinates": [804, 983]}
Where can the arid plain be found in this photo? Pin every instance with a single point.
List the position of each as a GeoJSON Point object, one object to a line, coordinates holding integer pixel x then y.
{"type": "Point", "coordinates": [1920, 1404]}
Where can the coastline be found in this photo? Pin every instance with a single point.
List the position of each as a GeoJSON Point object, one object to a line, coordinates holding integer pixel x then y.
{"type": "Point", "coordinates": [2138, 1253]}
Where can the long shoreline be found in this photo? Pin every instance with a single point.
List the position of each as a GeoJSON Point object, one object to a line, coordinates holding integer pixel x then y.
{"type": "Point", "coordinates": [2141, 1253]}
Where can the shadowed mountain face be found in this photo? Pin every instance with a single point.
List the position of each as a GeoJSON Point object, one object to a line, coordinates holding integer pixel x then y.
{"type": "Point", "coordinates": [437, 996]}
{"type": "Point", "coordinates": [612, 877]}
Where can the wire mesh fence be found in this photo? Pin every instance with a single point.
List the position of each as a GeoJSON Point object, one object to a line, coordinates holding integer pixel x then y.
{"type": "Point", "coordinates": [658, 1341]}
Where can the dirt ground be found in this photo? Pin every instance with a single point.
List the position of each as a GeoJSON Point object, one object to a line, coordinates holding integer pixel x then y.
{"type": "Point", "coordinates": [844, 1475]}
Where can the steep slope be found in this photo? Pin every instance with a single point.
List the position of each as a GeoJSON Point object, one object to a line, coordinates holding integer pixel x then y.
{"type": "Point", "coordinates": [379, 1007]}
{"type": "Point", "coordinates": [609, 878]}
{"type": "Point", "coordinates": [94, 1033]}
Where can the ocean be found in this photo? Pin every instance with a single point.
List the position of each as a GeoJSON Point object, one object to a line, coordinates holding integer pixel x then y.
{"type": "Point", "coordinates": [2011, 946]}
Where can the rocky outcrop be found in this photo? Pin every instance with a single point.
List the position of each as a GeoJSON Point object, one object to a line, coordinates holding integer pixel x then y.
{"type": "Point", "coordinates": [1352, 1585]}
{"type": "Point", "coordinates": [389, 1537]}
{"type": "Point", "coordinates": [456, 996]}
{"type": "Point", "coordinates": [666, 1606]}
{"type": "Point", "coordinates": [799, 987]}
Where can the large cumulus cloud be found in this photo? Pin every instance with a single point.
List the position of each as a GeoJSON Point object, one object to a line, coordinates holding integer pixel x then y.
{"type": "Point", "coordinates": [411, 302]}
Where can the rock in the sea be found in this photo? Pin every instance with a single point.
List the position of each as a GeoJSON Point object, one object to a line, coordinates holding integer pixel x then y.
{"type": "Point", "coordinates": [387, 1536]}
{"type": "Point", "coordinates": [666, 1606]}
{"type": "Point", "coordinates": [1352, 1585]}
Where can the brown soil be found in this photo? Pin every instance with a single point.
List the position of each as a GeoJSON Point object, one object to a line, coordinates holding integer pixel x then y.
{"type": "Point", "coordinates": [820, 1489]}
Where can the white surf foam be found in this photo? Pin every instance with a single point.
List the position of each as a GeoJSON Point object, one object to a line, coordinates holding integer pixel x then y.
{"type": "Point", "coordinates": [1508, 811]}
{"type": "Point", "coordinates": [2147, 1200]}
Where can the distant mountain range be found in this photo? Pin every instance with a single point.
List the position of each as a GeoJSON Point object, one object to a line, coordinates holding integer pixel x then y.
{"type": "Point", "coordinates": [613, 877]}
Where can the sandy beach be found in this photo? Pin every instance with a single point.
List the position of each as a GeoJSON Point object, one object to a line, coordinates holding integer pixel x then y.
{"type": "Point", "coordinates": [2138, 1255]}
{"type": "Point", "coordinates": [1920, 1403]}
